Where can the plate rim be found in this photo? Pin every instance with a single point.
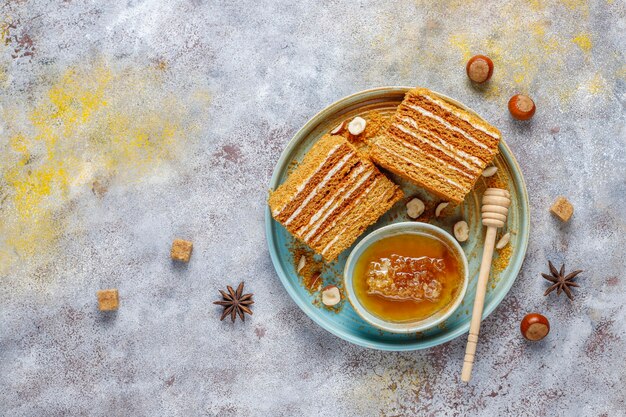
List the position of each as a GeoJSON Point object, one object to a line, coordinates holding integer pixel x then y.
{"type": "Point", "coordinates": [311, 311]}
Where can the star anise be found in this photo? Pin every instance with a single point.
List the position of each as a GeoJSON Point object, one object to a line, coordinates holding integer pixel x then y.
{"type": "Point", "coordinates": [235, 303]}
{"type": "Point", "coordinates": [560, 281]}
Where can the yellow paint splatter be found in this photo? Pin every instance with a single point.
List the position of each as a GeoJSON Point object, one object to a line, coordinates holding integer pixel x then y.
{"type": "Point", "coordinates": [566, 94]}
{"type": "Point", "coordinates": [461, 42]}
{"type": "Point", "coordinates": [536, 5]}
{"type": "Point", "coordinates": [5, 29]}
{"type": "Point", "coordinates": [583, 41]}
{"type": "Point", "coordinates": [597, 85]}
{"type": "Point", "coordinates": [92, 123]}
{"type": "Point", "coordinates": [529, 50]}
{"type": "Point", "coordinates": [538, 28]}
{"type": "Point", "coordinates": [577, 5]}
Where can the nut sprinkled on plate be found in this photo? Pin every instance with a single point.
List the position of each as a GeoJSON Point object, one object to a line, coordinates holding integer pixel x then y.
{"type": "Point", "coordinates": [490, 171]}
{"type": "Point", "coordinates": [440, 208]}
{"type": "Point", "coordinates": [357, 126]}
{"type": "Point", "coordinates": [301, 263]}
{"type": "Point", "coordinates": [338, 128]}
{"type": "Point", "coordinates": [331, 295]}
{"type": "Point", "coordinates": [504, 240]}
{"type": "Point", "coordinates": [314, 282]}
{"type": "Point", "coordinates": [415, 208]}
{"type": "Point", "coordinates": [461, 231]}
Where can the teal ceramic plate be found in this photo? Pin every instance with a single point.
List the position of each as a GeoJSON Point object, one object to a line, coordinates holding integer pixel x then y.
{"type": "Point", "coordinates": [344, 322]}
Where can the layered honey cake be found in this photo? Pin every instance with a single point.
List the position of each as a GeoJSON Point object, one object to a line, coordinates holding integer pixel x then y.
{"type": "Point", "coordinates": [332, 197]}
{"type": "Point", "coordinates": [436, 145]}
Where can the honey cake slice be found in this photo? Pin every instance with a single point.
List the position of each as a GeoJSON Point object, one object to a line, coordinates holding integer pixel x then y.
{"type": "Point", "coordinates": [436, 145]}
{"type": "Point", "coordinates": [332, 197]}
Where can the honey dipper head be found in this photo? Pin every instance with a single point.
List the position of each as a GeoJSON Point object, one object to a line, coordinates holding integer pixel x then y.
{"type": "Point", "coordinates": [495, 207]}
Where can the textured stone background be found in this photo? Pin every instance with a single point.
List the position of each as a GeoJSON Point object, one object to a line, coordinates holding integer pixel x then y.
{"type": "Point", "coordinates": [126, 124]}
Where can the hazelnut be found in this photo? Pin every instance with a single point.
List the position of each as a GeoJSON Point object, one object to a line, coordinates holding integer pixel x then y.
{"type": "Point", "coordinates": [301, 263]}
{"type": "Point", "coordinates": [479, 68]}
{"type": "Point", "coordinates": [534, 326]}
{"type": "Point", "coordinates": [504, 240]}
{"type": "Point", "coordinates": [331, 295]}
{"type": "Point", "coordinates": [415, 208]}
{"type": "Point", "coordinates": [338, 128]}
{"type": "Point", "coordinates": [314, 282]}
{"type": "Point", "coordinates": [461, 231]}
{"type": "Point", "coordinates": [521, 107]}
{"type": "Point", "coordinates": [357, 126]}
{"type": "Point", "coordinates": [440, 208]}
{"type": "Point", "coordinates": [490, 171]}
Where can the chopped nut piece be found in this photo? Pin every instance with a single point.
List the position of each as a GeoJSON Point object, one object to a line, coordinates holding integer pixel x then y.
{"type": "Point", "coordinates": [440, 208]}
{"type": "Point", "coordinates": [181, 250]}
{"type": "Point", "coordinates": [461, 231]}
{"type": "Point", "coordinates": [108, 300]}
{"type": "Point", "coordinates": [504, 240]}
{"type": "Point", "coordinates": [415, 208]}
{"type": "Point", "coordinates": [562, 208]}
{"type": "Point", "coordinates": [331, 295]}
{"type": "Point", "coordinates": [490, 171]}
{"type": "Point", "coordinates": [338, 128]}
{"type": "Point", "coordinates": [357, 126]}
{"type": "Point", "coordinates": [301, 263]}
{"type": "Point", "coordinates": [314, 282]}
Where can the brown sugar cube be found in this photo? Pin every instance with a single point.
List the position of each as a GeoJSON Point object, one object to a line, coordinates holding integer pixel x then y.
{"type": "Point", "coordinates": [108, 300]}
{"type": "Point", "coordinates": [181, 250]}
{"type": "Point", "coordinates": [562, 208]}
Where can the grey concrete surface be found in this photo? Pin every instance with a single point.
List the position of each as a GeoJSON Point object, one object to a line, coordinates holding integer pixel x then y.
{"type": "Point", "coordinates": [126, 124]}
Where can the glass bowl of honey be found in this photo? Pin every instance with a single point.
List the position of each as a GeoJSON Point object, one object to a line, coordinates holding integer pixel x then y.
{"type": "Point", "coordinates": [406, 277]}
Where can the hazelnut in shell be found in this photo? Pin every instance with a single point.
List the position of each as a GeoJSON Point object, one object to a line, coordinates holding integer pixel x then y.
{"type": "Point", "coordinates": [479, 68]}
{"type": "Point", "coordinates": [521, 107]}
{"type": "Point", "coordinates": [534, 326]}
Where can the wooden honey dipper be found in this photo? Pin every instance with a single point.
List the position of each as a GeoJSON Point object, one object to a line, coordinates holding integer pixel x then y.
{"type": "Point", "coordinates": [495, 207]}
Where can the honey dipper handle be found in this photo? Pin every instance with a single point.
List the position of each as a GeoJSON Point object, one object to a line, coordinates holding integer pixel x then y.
{"type": "Point", "coordinates": [479, 301]}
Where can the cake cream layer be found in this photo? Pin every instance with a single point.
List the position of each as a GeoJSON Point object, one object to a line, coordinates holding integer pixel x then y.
{"type": "Point", "coordinates": [332, 197]}
{"type": "Point", "coordinates": [436, 145]}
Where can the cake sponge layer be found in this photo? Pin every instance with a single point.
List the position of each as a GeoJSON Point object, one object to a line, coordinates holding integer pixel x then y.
{"type": "Point", "coordinates": [332, 197]}
{"type": "Point", "coordinates": [436, 145]}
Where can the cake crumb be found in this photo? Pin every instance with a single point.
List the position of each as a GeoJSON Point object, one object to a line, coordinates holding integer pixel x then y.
{"type": "Point", "coordinates": [376, 123]}
{"type": "Point", "coordinates": [496, 182]}
{"type": "Point", "coordinates": [181, 250]}
{"type": "Point", "coordinates": [108, 300]}
{"type": "Point", "coordinates": [562, 208]}
{"type": "Point", "coordinates": [311, 273]}
{"type": "Point", "coordinates": [500, 263]}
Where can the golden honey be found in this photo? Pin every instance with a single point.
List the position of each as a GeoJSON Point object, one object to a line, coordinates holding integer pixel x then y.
{"type": "Point", "coordinates": [408, 254]}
